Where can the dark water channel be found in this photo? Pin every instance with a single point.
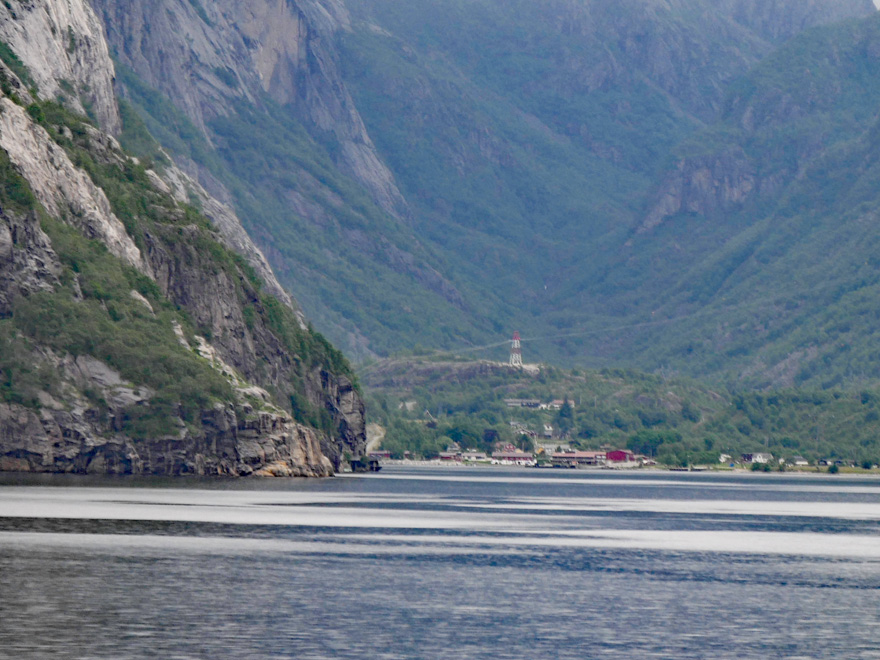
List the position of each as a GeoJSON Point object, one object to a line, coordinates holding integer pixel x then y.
{"type": "Point", "coordinates": [441, 563]}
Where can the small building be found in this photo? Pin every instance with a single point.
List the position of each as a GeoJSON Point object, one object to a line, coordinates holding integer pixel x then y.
{"type": "Point", "coordinates": [513, 458]}
{"type": "Point", "coordinates": [475, 457]}
{"type": "Point", "coordinates": [839, 462]}
{"type": "Point", "coordinates": [759, 457]}
{"type": "Point", "coordinates": [380, 454]}
{"type": "Point", "coordinates": [800, 461]}
{"type": "Point", "coordinates": [522, 403]}
{"type": "Point", "coordinates": [450, 456]}
{"type": "Point", "coordinates": [724, 458]}
{"type": "Point", "coordinates": [548, 431]}
{"type": "Point", "coordinates": [573, 459]}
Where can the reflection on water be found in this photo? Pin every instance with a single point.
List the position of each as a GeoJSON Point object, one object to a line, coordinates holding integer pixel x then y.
{"type": "Point", "coordinates": [435, 563]}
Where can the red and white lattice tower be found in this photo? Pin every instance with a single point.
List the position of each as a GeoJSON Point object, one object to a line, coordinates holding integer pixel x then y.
{"type": "Point", "coordinates": [515, 351]}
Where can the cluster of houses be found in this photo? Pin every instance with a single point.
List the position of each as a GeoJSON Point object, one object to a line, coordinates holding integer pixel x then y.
{"type": "Point", "coordinates": [510, 455]}
{"type": "Point", "coordinates": [765, 458]}
{"type": "Point", "coordinates": [563, 456]}
{"type": "Point", "coordinates": [536, 404]}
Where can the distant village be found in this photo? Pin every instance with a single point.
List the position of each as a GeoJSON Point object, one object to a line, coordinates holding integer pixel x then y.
{"type": "Point", "coordinates": [549, 455]}
{"type": "Point", "coordinates": [560, 455]}
{"type": "Point", "coordinates": [551, 449]}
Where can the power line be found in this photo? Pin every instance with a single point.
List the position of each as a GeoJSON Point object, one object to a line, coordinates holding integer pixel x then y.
{"type": "Point", "coordinates": [778, 297]}
{"type": "Point", "coordinates": [713, 311]}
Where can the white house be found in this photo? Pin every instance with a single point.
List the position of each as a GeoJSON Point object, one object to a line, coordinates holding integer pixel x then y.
{"type": "Point", "coordinates": [759, 457]}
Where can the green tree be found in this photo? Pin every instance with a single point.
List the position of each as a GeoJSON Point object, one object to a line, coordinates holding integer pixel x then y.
{"type": "Point", "coordinates": [565, 418]}
{"type": "Point", "coordinates": [648, 442]}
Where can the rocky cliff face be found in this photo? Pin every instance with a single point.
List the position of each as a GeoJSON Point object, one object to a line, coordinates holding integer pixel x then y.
{"type": "Point", "coordinates": [71, 409]}
{"type": "Point", "coordinates": [208, 56]}
{"type": "Point", "coordinates": [63, 189]}
{"type": "Point", "coordinates": [64, 47]}
{"type": "Point", "coordinates": [69, 434]}
{"type": "Point", "coordinates": [778, 120]}
{"type": "Point", "coordinates": [705, 185]}
{"type": "Point", "coordinates": [776, 21]}
{"type": "Point", "coordinates": [184, 188]}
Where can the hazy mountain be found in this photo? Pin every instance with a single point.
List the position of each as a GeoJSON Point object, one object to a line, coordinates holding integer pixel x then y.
{"type": "Point", "coordinates": [624, 179]}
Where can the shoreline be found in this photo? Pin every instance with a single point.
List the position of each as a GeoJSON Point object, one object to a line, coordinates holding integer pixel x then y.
{"type": "Point", "coordinates": [795, 472]}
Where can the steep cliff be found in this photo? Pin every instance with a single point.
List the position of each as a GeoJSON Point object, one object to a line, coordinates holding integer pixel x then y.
{"type": "Point", "coordinates": [250, 101]}
{"type": "Point", "coordinates": [207, 56]}
{"type": "Point", "coordinates": [135, 338]}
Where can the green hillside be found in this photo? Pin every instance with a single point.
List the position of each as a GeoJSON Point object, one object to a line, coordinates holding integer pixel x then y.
{"type": "Point", "coordinates": [780, 287]}
{"type": "Point", "coordinates": [425, 405]}
{"type": "Point", "coordinates": [525, 148]}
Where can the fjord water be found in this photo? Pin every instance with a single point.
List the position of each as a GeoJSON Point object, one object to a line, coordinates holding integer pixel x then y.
{"type": "Point", "coordinates": [442, 563]}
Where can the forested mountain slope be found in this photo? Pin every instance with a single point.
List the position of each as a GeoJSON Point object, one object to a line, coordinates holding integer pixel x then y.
{"type": "Point", "coordinates": [630, 182]}
{"type": "Point", "coordinates": [633, 93]}
{"type": "Point", "coordinates": [778, 203]}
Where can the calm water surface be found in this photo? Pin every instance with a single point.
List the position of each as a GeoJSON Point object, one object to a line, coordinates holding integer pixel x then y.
{"type": "Point", "coordinates": [441, 563]}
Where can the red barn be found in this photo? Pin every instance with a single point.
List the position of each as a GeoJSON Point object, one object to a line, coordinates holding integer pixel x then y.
{"type": "Point", "coordinates": [620, 456]}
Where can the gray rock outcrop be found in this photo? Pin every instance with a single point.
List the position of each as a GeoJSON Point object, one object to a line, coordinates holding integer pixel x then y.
{"type": "Point", "coordinates": [62, 188]}
{"type": "Point", "coordinates": [63, 46]}
{"type": "Point", "coordinates": [206, 57]}
{"type": "Point", "coordinates": [704, 185]}
{"type": "Point", "coordinates": [264, 444]}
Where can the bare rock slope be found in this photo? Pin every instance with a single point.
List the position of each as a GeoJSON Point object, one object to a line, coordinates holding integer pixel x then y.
{"type": "Point", "coordinates": [208, 56]}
